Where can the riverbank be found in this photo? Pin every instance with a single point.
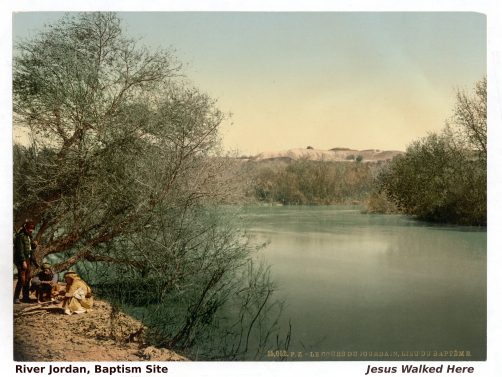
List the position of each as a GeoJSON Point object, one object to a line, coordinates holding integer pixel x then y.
{"type": "Point", "coordinates": [44, 333]}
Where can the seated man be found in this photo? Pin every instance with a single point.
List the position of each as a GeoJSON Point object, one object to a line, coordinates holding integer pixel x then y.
{"type": "Point", "coordinates": [78, 297]}
{"type": "Point", "coordinates": [45, 283]}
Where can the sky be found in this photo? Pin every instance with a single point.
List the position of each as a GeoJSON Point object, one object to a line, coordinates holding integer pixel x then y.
{"type": "Point", "coordinates": [362, 80]}
{"type": "Point", "coordinates": [375, 76]}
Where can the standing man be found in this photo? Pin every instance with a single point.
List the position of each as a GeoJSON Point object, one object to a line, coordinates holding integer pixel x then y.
{"type": "Point", "coordinates": [23, 247]}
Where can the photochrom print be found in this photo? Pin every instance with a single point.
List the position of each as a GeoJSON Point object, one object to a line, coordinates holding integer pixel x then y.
{"type": "Point", "coordinates": [238, 186]}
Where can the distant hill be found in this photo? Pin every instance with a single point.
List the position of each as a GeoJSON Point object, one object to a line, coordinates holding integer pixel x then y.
{"type": "Point", "coordinates": [334, 154]}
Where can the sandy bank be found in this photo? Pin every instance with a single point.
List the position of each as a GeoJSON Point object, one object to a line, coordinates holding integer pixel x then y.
{"type": "Point", "coordinates": [43, 333]}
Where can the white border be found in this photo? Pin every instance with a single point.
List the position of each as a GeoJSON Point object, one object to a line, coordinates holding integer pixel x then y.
{"type": "Point", "coordinates": [493, 10]}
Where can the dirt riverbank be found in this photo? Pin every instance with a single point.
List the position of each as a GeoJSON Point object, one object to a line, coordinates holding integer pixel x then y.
{"type": "Point", "coordinates": [44, 333]}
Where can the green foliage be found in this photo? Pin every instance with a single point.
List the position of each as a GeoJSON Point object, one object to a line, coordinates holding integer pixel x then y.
{"type": "Point", "coordinates": [378, 202]}
{"type": "Point", "coordinates": [312, 182]}
{"type": "Point", "coordinates": [121, 176]}
{"type": "Point", "coordinates": [443, 177]}
{"type": "Point", "coordinates": [199, 290]}
{"type": "Point", "coordinates": [469, 119]}
{"type": "Point", "coordinates": [114, 136]}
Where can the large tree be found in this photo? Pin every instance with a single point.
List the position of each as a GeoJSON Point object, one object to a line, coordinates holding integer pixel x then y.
{"type": "Point", "coordinates": [115, 134]}
{"type": "Point", "coordinates": [469, 119]}
{"type": "Point", "coordinates": [122, 175]}
{"type": "Point", "coordinates": [442, 177]}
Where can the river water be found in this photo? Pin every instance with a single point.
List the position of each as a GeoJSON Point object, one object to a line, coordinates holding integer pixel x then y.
{"type": "Point", "coordinates": [374, 287]}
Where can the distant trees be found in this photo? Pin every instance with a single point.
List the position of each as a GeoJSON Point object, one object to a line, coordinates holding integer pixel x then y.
{"type": "Point", "coordinates": [442, 177]}
{"type": "Point", "coordinates": [312, 182]}
{"type": "Point", "coordinates": [355, 158]}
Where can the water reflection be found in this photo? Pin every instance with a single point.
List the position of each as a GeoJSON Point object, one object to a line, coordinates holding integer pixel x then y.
{"type": "Point", "coordinates": [375, 282]}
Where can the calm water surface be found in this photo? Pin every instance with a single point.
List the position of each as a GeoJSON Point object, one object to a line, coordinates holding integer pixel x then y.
{"type": "Point", "coordinates": [375, 283]}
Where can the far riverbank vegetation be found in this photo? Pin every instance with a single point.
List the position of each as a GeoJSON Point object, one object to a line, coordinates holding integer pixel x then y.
{"type": "Point", "coordinates": [440, 178]}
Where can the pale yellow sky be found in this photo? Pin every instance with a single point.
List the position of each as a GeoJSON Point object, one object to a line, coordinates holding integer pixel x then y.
{"type": "Point", "coordinates": [380, 116]}
{"type": "Point", "coordinates": [357, 80]}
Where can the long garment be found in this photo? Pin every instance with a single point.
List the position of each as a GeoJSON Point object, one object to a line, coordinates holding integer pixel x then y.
{"type": "Point", "coordinates": [78, 298]}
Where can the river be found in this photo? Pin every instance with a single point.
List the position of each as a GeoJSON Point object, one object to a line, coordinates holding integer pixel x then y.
{"type": "Point", "coordinates": [374, 287]}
